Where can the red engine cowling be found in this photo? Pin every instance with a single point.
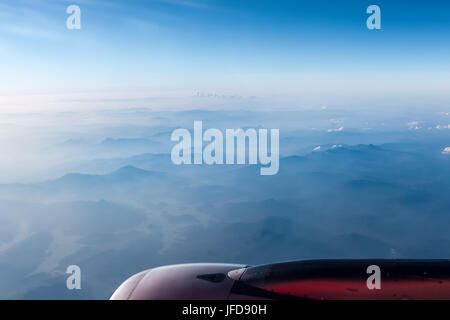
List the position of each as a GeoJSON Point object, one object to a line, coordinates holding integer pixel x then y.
{"type": "Point", "coordinates": [315, 279]}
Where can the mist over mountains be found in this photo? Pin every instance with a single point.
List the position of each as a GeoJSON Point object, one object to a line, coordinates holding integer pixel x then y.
{"type": "Point", "coordinates": [115, 204]}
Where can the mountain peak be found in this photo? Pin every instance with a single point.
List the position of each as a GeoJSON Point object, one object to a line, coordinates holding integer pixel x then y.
{"type": "Point", "coordinates": [131, 171]}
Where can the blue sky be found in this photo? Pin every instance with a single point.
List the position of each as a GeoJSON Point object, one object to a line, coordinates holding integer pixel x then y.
{"type": "Point", "coordinates": [316, 52]}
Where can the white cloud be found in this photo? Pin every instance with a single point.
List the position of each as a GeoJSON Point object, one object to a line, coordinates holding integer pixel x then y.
{"type": "Point", "coordinates": [336, 121]}
{"type": "Point", "coordinates": [316, 148]}
{"type": "Point", "coordinates": [446, 150]}
{"type": "Point", "coordinates": [414, 125]}
{"type": "Point", "coordinates": [439, 127]}
{"type": "Point", "coordinates": [336, 130]}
